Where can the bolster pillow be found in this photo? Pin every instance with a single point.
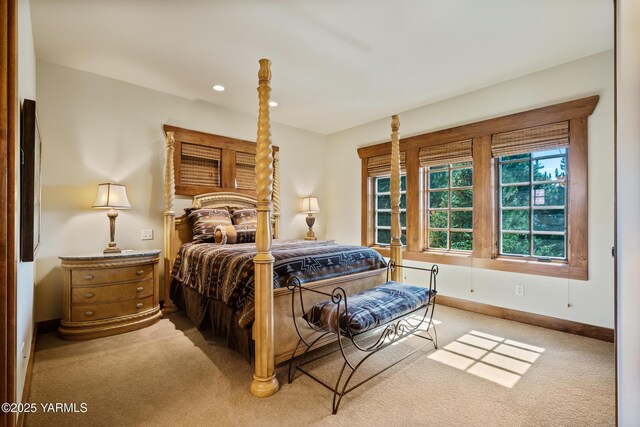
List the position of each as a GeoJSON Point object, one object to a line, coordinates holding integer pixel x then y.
{"type": "Point", "coordinates": [232, 234]}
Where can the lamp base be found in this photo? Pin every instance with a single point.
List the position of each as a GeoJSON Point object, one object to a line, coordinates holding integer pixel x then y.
{"type": "Point", "coordinates": [310, 221]}
{"type": "Point", "coordinates": [112, 248]}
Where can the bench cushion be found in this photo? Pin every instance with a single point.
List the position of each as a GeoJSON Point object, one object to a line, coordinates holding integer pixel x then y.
{"type": "Point", "coordinates": [369, 309]}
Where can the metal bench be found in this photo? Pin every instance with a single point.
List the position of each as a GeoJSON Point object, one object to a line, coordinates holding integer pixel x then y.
{"type": "Point", "coordinates": [369, 320]}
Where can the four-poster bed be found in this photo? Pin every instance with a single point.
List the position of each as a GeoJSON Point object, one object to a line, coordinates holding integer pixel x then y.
{"type": "Point", "coordinates": [272, 332]}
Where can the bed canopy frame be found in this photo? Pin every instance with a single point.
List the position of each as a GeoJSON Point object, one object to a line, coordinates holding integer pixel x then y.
{"type": "Point", "coordinates": [264, 382]}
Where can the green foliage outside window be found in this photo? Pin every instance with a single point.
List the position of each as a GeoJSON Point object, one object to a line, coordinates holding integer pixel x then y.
{"type": "Point", "coordinates": [515, 244]}
{"type": "Point", "coordinates": [533, 204]}
{"type": "Point", "coordinates": [450, 197]}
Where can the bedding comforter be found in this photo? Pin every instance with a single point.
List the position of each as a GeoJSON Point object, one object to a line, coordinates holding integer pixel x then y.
{"type": "Point", "coordinates": [226, 272]}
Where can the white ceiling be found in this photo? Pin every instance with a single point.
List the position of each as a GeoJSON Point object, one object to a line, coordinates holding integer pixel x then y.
{"type": "Point", "coordinates": [335, 64]}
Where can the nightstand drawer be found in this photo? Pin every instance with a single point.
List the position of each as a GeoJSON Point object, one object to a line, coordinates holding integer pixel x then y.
{"type": "Point", "coordinates": [130, 273]}
{"type": "Point", "coordinates": [89, 312]}
{"type": "Point", "coordinates": [88, 277]}
{"type": "Point", "coordinates": [111, 293]}
{"type": "Point", "coordinates": [111, 275]}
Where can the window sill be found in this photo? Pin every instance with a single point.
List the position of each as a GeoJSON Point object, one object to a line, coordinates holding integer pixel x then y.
{"type": "Point", "coordinates": [513, 265]}
{"type": "Point", "coordinates": [439, 257]}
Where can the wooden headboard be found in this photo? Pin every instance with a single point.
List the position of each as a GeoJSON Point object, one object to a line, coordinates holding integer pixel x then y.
{"type": "Point", "coordinates": [207, 163]}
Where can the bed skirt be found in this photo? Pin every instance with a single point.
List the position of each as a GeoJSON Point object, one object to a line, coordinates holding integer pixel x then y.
{"type": "Point", "coordinates": [207, 313]}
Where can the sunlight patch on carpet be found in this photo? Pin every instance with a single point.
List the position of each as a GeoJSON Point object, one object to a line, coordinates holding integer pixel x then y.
{"type": "Point", "coordinates": [451, 359]}
{"type": "Point", "coordinates": [478, 342]}
{"type": "Point", "coordinates": [499, 360]}
{"type": "Point", "coordinates": [465, 350]}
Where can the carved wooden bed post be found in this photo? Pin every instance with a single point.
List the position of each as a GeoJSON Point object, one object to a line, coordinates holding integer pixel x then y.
{"type": "Point", "coordinates": [396, 230]}
{"type": "Point", "coordinates": [264, 382]}
{"type": "Point", "coordinates": [276, 193]}
{"type": "Point", "coordinates": [169, 223]}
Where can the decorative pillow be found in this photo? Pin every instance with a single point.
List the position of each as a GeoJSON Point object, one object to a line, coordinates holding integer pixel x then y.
{"type": "Point", "coordinates": [204, 222]}
{"type": "Point", "coordinates": [232, 209]}
{"type": "Point", "coordinates": [245, 217]}
{"type": "Point", "coordinates": [232, 234]}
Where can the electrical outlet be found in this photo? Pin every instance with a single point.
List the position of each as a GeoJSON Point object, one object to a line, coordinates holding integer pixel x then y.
{"type": "Point", "coordinates": [146, 234]}
{"type": "Point", "coordinates": [520, 290]}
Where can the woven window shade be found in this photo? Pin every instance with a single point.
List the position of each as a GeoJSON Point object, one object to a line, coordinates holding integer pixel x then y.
{"type": "Point", "coordinates": [444, 154]}
{"type": "Point", "coordinates": [381, 165]}
{"type": "Point", "coordinates": [200, 165]}
{"type": "Point", "coordinates": [546, 137]}
{"type": "Point", "coordinates": [245, 171]}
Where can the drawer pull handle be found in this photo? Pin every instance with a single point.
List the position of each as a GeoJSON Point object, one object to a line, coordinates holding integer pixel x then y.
{"type": "Point", "coordinates": [88, 277]}
{"type": "Point", "coordinates": [139, 272]}
{"type": "Point", "coordinates": [88, 295]}
{"type": "Point", "coordinates": [88, 313]}
{"type": "Point", "coordinates": [139, 305]}
{"type": "Point", "coordinates": [140, 289]}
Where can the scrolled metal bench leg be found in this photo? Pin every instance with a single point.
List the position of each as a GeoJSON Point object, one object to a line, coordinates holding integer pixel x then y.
{"type": "Point", "coordinates": [346, 383]}
{"type": "Point", "coordinates": [432, 304]}
{"type": "Point", "coordinates": [435, 337]}
{"type": "Point", "coordinates": [293, 357]}
{"type": "Point", "coordinates": [302, 356]}
{"type": "Point", "coordinates": [339, 395]}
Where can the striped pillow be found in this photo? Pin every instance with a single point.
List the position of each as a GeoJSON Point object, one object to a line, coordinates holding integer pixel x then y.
{"type": "Point", "coordinates": [204, 222]}
{"type": "Point", "coordinates": [245, 217]}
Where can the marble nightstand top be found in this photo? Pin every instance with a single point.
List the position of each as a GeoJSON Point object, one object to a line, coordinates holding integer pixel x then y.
{"type": "Point", "coordinates": [99, 255]}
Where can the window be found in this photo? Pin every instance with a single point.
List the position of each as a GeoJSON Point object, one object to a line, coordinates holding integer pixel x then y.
{"type": "Point", "coordinates": [533, 204]}
{"type": "Point", "coordinates": [450, 206]}
{"type": "Point", "coordinates": [508, 193]}
{"type": "Point", "coordinates": [382, 211]}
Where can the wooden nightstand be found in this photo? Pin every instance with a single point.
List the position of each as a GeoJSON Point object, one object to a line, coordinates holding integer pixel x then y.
{"type": "Point", "coordinates": [107, 294]}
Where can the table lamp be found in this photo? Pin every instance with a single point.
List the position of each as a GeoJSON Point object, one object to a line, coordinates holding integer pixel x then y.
{"type": "Point", "coordinates": [310, 206]}
{"type": "Point", "coordinates": [112, 196]}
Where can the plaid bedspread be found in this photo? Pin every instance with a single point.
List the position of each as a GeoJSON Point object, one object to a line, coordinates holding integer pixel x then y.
{"type": "Point", "coordinates": [369, 309]}
{"type": "Point", "coordinates": [226, 272]}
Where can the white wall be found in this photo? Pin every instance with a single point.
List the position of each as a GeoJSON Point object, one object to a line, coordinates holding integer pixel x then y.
{"type": "Point", "coordinates": [96, 129]}
{"type": "Point", "coordinates": [591, 301]}
{"type": "Point", "coordinates": [25, 291]}
{"type": "Point", "coordinates": [628, 186]}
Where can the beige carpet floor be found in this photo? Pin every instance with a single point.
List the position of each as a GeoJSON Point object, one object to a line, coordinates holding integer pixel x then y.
{"type": "Point", "coordinates": [487, 372]}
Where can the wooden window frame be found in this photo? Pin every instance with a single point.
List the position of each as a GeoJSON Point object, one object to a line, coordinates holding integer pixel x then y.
{"type": "Point", "coordinates": [228, 146]}
{"type": "Point", "coordinates": [485, 233]}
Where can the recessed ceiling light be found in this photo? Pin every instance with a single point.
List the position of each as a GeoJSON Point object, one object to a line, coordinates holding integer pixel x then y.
{"type": "Point", "coordinates": [273, 104]}
{"type": "Point", "coordinates": [218, 88]}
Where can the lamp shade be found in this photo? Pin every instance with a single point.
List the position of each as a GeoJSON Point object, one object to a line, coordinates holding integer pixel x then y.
{"type": "Point", "coordinates": [112, 196]}
{"type": "Point", "coordinates": [310, 205]}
